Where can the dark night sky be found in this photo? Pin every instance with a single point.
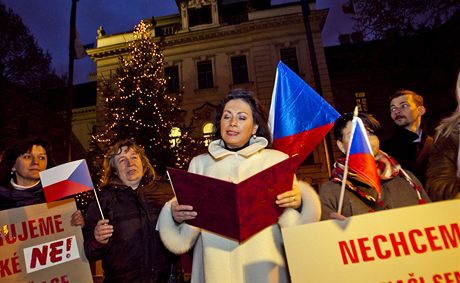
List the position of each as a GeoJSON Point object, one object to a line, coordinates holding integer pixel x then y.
{"type": "Point", "coordinates": [48, 21]}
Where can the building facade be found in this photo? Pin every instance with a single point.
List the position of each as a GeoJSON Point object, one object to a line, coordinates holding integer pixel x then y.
{"type": "Point", "coordinates": [213, 46]}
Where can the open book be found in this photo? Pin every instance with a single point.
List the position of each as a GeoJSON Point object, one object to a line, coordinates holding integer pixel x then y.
{"type": "Point", "coordinates": [237, 211]}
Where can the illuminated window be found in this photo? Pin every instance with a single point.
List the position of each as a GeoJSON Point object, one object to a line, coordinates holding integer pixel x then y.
{"type": "Point", "coordinates": [361, 101]}
{"type": "Point", "coordinates": [208, 129]}
{"type": "Point", "coordinates": [175, 137]}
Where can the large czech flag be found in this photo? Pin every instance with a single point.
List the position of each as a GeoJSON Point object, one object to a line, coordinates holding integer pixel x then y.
{"type": "Point", "coordinates": [299, 117]}
{"type": "Point", "coordinates": [65, 180]}
{"type": "Point", "coordinates": [361, 159]}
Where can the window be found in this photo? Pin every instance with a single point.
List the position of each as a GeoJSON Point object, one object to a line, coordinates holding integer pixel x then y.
{"type": "Point", "coordinates": [172, 79]}
{"type": "Point", "coordinates": [239, 70]}
{"type": "Point", "coordinates": [200, 16]}
{"type": "Point", "coordinates": [208, 130]}
{"type": "Point", "coordinates": [289, 58]}
{"type": "Point", "coordinates": [361, 101]}
{"type": "Point", "coordinates": [204, 71]}
{"type": "Point", "coordinates": [175, 137]}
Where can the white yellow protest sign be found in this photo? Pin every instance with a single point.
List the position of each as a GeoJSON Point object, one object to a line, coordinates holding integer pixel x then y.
{"type": "Point", "coordinates": [38, 244]}
{"type": "Point", "coordinates": [412, 244]}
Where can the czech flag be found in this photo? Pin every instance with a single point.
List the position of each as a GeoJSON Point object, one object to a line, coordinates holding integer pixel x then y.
{"type": "Point", "coordinates": [65, 180]}
{"type": "Point", "coordinates": [299, 117]}
{"type": "Point", "coordinates": [361, 158]}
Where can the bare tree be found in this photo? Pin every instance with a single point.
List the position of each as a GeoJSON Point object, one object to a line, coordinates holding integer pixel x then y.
{"type": "Point", "coordinates": [376, 18]}
{"type": "Point", "coordinates": [22, 61]}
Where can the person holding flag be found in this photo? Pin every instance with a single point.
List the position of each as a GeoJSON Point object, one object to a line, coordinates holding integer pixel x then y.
{"type": "Point", "coordinates": [370, 179]}
{"type": "Point", "coordinates": [124, 236]}
{"type": "Point", "coordinates": [19, 175]}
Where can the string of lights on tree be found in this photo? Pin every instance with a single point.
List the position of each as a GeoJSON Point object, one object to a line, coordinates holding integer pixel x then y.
{"type": "Point", "coordinates": [139, 107]}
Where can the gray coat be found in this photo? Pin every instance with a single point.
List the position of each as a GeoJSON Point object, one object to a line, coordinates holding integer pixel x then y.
{"type": "Point", "coordinates": [396, 192]}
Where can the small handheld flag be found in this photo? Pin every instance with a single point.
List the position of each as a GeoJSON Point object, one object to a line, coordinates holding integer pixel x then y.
{"type": "Point", "coordinates": [360, 158]}
{"type": "Point", "coordinates": [299, 117]}
{"type": "Point", "coordinates": [66, 180]}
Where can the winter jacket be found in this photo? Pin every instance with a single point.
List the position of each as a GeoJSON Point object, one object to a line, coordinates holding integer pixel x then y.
{"type": "Point", "coordinates": [11, 197]}
{"type": "Point", "coordinates": [135, 252]}
{"type": "Point", "coordinates": [442, 178]}
{"type": "Point", "coordinates": [396, 192]}
{"type": "Point", "coordinates": [412, 156]}
{"type": "Point", "coordinates": [219, 259]}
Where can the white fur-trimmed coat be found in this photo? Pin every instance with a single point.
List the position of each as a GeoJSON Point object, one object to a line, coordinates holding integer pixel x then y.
{"type": "Point", "coordinates": [218, 259]}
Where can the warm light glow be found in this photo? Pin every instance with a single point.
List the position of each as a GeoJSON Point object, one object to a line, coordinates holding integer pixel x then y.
{"type": "Point", "coordinates": [137, 105]}
{"type": "Point", "coordinates": [208, 130]}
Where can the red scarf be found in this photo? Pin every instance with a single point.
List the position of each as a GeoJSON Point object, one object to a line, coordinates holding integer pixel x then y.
{"type": "Point", "coordinates": [387, 168]}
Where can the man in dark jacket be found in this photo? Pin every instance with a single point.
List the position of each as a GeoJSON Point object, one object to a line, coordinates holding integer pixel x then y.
{"type": "Point", "coordinates": [410, 145]}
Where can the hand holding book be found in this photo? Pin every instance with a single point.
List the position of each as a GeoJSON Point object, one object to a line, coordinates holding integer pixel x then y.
{"type": "Point", "coordinates": [182, 213]}
{"type": "Point", "coordinates": [237, 211]}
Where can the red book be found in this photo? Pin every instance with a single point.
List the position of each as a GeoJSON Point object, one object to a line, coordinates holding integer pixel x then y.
{"type": "Point", "coordinates": [237, 211]}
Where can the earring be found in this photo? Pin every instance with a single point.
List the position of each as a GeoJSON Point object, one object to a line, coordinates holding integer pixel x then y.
{"type": "Point", "coordinates": [254, 136]}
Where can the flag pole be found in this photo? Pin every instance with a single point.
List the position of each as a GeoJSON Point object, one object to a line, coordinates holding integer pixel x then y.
{"type": "Point", "coordinates": [345, 170]}
{"type": "Point", "coordinates": [316, 75]}
{"type": "Point", "coordinates": [69, 106]}
{"type": "Point", "coordinates": [99, 204]}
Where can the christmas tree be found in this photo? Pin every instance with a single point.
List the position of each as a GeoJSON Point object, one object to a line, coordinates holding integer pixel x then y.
{"type": "Point", "coordinates": [138, 107]}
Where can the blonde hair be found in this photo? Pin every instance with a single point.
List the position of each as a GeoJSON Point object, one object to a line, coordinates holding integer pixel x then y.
{"type": "Point", "coordinates": [447, 125]}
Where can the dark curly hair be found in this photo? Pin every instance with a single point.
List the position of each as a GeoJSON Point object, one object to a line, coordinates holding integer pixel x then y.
{"type": "Point", "coordinates": [370, 123]}
{"type": "Point", "coordinates": [12, 153]}
{"type": "Point", "coordinates": [259, 114]}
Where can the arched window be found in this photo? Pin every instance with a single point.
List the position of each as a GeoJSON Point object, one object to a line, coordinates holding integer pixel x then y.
{"type": "Point", "coordinates": [208, 129]}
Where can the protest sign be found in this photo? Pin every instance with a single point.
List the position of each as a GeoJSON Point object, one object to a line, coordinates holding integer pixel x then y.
{"type": "Point", "coordinates": [38, 244]}
{"type": "Point", "coordinates": [413, 244]}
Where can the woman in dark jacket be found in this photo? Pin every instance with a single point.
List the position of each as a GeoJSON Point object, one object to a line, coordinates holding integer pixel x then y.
{"type": "Point", "coordinates": [131, 199]}
{"type": "Point", "coordinates": [19, 173]}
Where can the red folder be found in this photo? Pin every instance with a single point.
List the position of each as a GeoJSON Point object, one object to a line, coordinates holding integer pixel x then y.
{"type": "Point", "coordinates": [237, 211]}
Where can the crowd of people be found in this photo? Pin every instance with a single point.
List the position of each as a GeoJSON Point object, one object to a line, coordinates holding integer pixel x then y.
{"type": "Point", "coordinates": [138, 228]}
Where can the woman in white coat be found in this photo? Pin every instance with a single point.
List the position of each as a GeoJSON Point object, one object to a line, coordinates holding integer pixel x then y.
{"type": "Point", "coordinates": [240, 150]}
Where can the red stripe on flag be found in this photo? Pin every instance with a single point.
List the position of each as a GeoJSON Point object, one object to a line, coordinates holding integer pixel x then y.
{"type": "Point", "coordinates": [302, 143]}
{"type": "Point", "coordinates": [63, 189]}
{"type": "Point", "coordinates": [364, 165]}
